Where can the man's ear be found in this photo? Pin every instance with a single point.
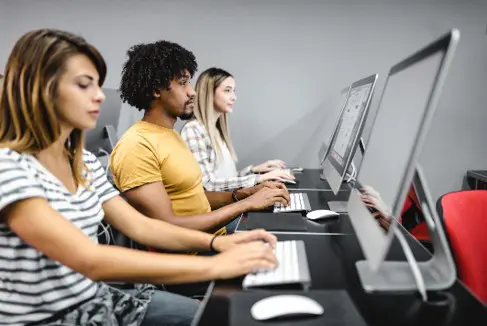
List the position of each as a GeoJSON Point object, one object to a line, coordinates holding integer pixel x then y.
{"type": "Point", "coordinates": [156, 93]}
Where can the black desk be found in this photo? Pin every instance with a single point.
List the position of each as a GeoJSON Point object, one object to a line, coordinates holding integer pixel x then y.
{"type": "Point", "coordinates": [317, 200]}
{"type": "Point", "coordinates": [309, 179]}
{"type": "Point", "coordinates": [477, 179]}
{"type": "Point", "coordinates": [332, 260]}
{"type": "Point", "coordinates": [332, 265]}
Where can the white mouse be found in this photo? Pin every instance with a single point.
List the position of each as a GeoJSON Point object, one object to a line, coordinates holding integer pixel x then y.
{"type": "Point", "coordinates": [286, 305]}
{"type": "Point", "coordinates": [321, 214]}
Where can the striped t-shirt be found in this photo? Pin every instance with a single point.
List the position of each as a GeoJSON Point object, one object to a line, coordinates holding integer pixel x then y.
{"type": "Point", "coordinates": [32, 286]}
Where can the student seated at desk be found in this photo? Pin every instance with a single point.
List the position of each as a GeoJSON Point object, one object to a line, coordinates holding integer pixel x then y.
{"type": "Point", "coordinates": [208, 138]}
{"type": "Point", "coordinates": [53, 195]}
{"type": "Point", "coordinates": [152, 164]}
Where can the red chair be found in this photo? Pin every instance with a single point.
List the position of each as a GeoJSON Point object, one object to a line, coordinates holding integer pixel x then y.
{"type": "Point", "coordinates": [464, 216]}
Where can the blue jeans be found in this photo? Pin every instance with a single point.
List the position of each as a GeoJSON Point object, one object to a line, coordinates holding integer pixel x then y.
{"type": "Point", "coordinates": [169, 309]}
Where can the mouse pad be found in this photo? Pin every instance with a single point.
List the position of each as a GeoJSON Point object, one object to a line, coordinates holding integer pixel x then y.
{"type": "Point", "coordinates": [277, 222]}
{"type": "Point", "coordinates": [338, 309]}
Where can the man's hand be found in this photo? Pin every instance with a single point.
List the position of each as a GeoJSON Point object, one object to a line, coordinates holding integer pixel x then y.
{"type": "Point", "coordinates": [242, 259]}
{"type": "Point", "coordinates": [246, 192]}
{"type": "Point", "coordinates": [224, 243]}
{"type": "Point", "coordinates": [269, 166]}
{"type": "Point", "coordinates": [267, 197]}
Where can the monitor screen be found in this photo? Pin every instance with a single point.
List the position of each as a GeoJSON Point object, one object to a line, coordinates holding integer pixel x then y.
{"type": "Point", "coordinates": [348, 130]}
{"type": "Point", "coordinates": [399, 130]}
{"type": "Point", "coordinates": [349, 125]}
{"type": "Point", "coordinates": [339, 108]}
{"type": "Point", "coordinates": [394, 136]}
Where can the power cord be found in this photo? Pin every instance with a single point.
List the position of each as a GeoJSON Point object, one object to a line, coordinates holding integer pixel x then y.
{"type": "Point", "coordinates": [353, 175]}
{"type": "Point", "coordinates": [106, 229]}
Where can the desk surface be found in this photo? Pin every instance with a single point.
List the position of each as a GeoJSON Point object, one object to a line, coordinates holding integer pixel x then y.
{"type": "Point", "coordinates": [332, 265]}
{"type": "Point", "coordinates": [309, 179]}
{"type": "Point", "coordinates": [332, 255]}
{"type": "Point", "coordinates": [478, 174]}
{"type": "Point", "coordinates": [318, 200]}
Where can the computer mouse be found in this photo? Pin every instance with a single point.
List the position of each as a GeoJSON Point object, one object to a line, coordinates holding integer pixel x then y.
{"type": "Point", "coordinates": [321, 214]}
{"type": "Point", "coordinates": [297, 169]}
{"type": "Point", "coordinates": [286, 305]}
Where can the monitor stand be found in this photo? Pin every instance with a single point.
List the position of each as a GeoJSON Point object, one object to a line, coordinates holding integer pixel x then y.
{"type": "Point", "coordinates": [437, 273]}
{"type": "Point", "coordinates": [341, 206]}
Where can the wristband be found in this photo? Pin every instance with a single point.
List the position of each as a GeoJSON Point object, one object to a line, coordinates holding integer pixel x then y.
{"type": "Point", "coordinates": [211, 243]}
{"type": "Point", "coordinates": [234, 196]}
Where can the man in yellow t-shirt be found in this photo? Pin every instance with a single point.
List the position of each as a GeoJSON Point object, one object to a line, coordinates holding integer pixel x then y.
{"type": "Point", "coordinates": [152, 164]}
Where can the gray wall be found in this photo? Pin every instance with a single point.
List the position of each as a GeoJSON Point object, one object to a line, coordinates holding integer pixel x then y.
{"type": "Point", "coordinates": [290, 59]}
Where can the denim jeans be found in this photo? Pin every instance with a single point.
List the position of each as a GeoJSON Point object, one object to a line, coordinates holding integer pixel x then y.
{"type": "Point", "coordinates": [169, 309]}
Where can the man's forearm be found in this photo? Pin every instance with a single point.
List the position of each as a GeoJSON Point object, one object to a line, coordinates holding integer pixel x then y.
{"type": "Point", "coordinates": [208, 222]}
{"type": "Point", "coordinates": [218, 199]}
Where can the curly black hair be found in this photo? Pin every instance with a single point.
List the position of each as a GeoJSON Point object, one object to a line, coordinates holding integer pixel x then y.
{"type": "Point", "coordinates": [150, 67]}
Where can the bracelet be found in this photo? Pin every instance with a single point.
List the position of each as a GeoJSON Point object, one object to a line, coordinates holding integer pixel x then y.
{"type": "Point", "coordinates": [234, 196]}
{"type": "Point", "coordinates": [211, 242]}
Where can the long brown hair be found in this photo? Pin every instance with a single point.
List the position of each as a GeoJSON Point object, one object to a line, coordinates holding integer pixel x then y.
{"type": "Point", "coordinates": [204, 110]}
{"type": "Point", "coordinates": [29, 121]}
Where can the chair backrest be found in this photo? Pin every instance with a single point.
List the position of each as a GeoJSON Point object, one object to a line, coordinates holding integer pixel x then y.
{"type": "Point", "coordinates": [464, 215]}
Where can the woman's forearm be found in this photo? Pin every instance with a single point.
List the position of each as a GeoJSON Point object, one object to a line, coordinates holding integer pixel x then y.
{"type": "Point", "coordinates": [113, 263]}
{"type": "Point", "coordinates": [163, 235]}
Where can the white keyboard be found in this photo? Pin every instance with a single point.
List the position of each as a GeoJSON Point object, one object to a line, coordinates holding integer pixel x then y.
{"type": "Point", "coordinates": [288, 171]}
{"type": "Point", "coordinates": [292, 267]}
{"type": "Point", "coordinates": [299, 202]}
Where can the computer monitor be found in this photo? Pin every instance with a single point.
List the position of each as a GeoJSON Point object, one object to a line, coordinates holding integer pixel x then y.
{"type": "Point", "coordinates": [405, 111]}
{"type": "Point", "coordinates": [102, 135]}
{"type": "Point", "coordinates": [346, 137]}
{"type": "Point", "coordinates": [340, 106]}
{"type": "Point", "coordinates": [198, 319]}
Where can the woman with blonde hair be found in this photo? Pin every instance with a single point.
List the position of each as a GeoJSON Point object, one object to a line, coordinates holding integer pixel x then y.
{"type": "Point", "coordinates": [53, 195]}
{"type": "Point", "coordinates": [208, 137]}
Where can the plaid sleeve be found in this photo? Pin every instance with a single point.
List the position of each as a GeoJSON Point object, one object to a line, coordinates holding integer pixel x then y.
{"type": "Point", "coordinates": [200, 145]}
{"type": "Point", "coordinates": [246, 171]}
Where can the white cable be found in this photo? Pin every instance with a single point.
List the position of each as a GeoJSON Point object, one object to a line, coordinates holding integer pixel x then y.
{"type": "Point", "coordinates": [106, 231]}
{"type": "Point", "coordinates": [352, 176]}
{"type": "Point", "coordinates": [418, 277]}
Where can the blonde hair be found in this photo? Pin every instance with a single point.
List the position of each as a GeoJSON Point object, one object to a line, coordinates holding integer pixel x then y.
{"type": "Point", "coordinates": [205, 113]}
{"type": "Point", "coordinates": [28, 117]}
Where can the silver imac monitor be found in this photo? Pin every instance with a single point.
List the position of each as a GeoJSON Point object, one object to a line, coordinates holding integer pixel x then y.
{"type": "Point", "coordinates": [347, 135]}
{"type": "Point", "coordinates": [405, 111]}
{"type": "Point", "coordinates": [106, 125]}
{"type": "Point", "coordinates": [340, 106]}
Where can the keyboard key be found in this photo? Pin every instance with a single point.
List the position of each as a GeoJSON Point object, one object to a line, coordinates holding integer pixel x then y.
{"type": "Point", "coordinates": [292, 267]}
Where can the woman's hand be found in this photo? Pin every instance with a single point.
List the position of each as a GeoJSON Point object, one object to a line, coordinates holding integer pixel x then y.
{"type": "Point", "coordinates": [269, 166]}
{"type": "Point", "coordinates": [278, 175]}
{"type": "Point", "coordinates": [242, 259]}
{"type": "Point", "coordinates": [224, 243]}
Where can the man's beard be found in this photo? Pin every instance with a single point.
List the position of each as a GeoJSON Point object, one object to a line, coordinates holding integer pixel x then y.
{"type": "Point", "coordinates": [186, 116]}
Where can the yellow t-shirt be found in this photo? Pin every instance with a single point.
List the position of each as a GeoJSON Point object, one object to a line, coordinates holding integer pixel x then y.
{"type": "Point", "coordinates": [149, 153]}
